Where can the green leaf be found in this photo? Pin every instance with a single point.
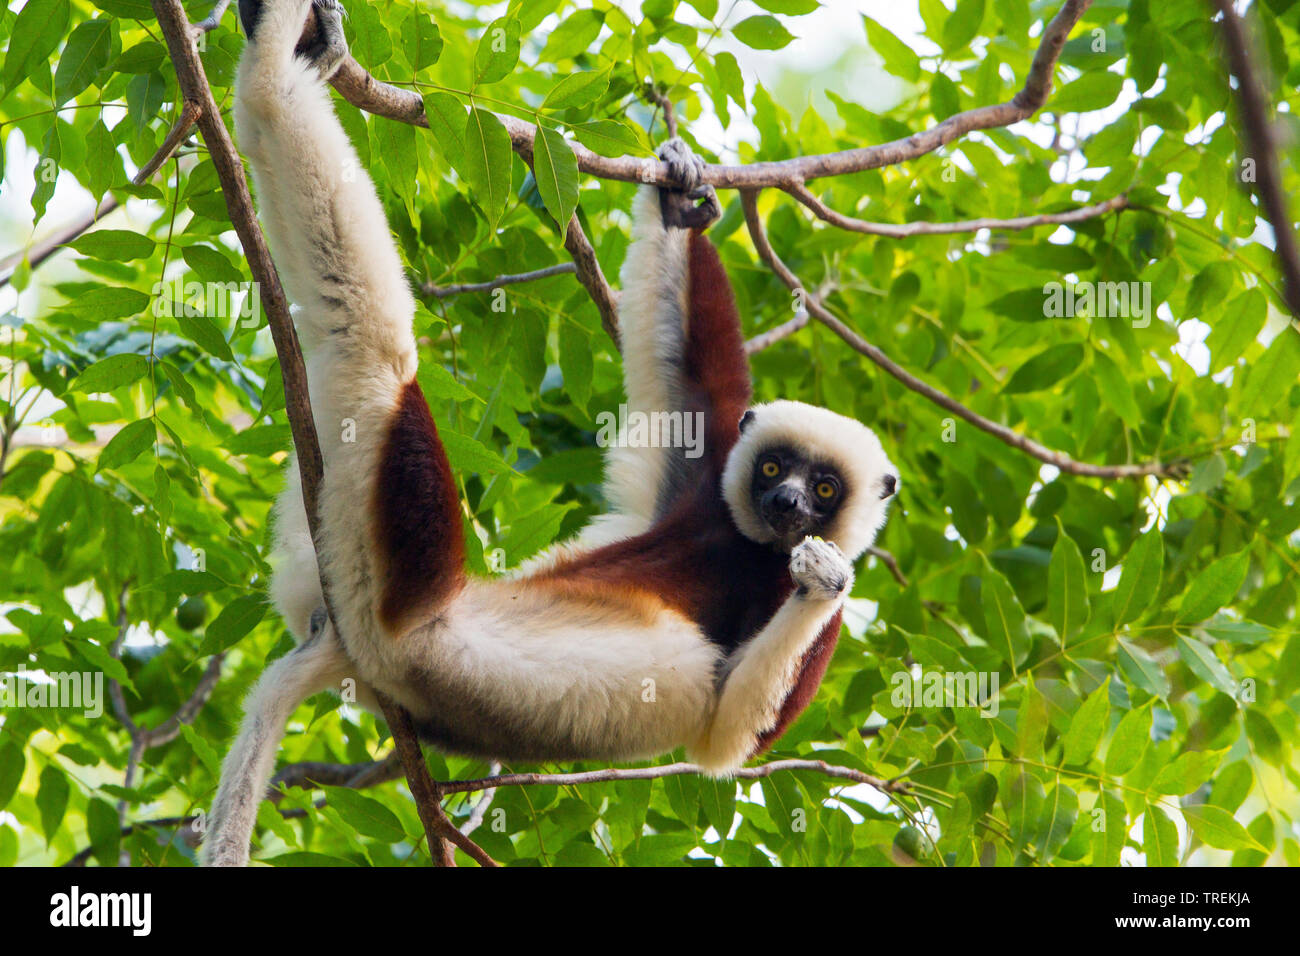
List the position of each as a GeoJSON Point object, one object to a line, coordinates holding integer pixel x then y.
{"type": "Point", "coordinates": [1202, 662]}
{"type": "Point", "coordinates": [498, 50]}
{"type": "Point", "coordinates": [486, 166]}
{"type": "Point", "coordinates": [572, 36]}
{"type": "Point", "coordinates": [114, 244]}
{"type": "Point", "coordinates": [447, 123]}
{"type": "Point", "coordinates": [608, 137]}
{"type": "Point", "coordinates": [111, 373]}
{"type": "Point", "coordinates": [1186, 773]}
{"type": "Point", "coordinates": [421, 40]}
{"type": "Point", "coordinates": [52, 800]}
{"type": "Point", "coordinates": [762, 32]}
{"type": "Point", "coordinates": [899, 58]}
{"type": "Point", "coordinates": [576, 362]}
{"type": "Point", "coordinates": [1005, 619]}
{"type": "Point", "coordinates": [556, 169]}
{"type": "Point", "coordinates": [1159, 837]}
{"type": "Point", "coordinates": [1087, 725]}
{"type": "Point", "coordinates": [85, 54]}
{"type": "Point", "coordinates": [1046, 369]}
{"type": "Point", "coordinates": [1215, 586]}
{"type": "Point", "coordinates": [127, 445]}
{"type": "Point", "coordinates": [372, 45]}
{"type": "Point", "coordinates": [470, 455]}
{"type": "Point", "coordinates": [1272, 375]}
{"type": "Point", "coordinates": [577, 90]}
{"type": "Point", "coordinates": [204, 750]}
{"type": "Point", "coordinates": [1237, 326]}
{"type": "Point", "coordinates": [106, 303]}
{"type": "Point", "coordinates": [104, 831]}
{"type": "Point", "coordinates": [365, 814]}
{"type": "Point", "coordinates": [1140, 579]}
{"type": "Point", "coordinates": [962, 26]}
{"type": "Point", "coordinates": [1092, 91]}
{"type": "Point", "coordinates": [1129, 742]}
{"type": "Point", "coordinates": [1141, 668]}
{"type": "Point", "coordinates": [235, 620]}
{"type": "Point", "coordinates": [1067, 586]}
{"type": "Point", "coordinates": [1216, 827]}
{"type": "Point", "coordinates": [204, 333]}
{"type": "Point", "coordinates": [12, 763]}
{"type": "Point", "coordinates": [101, 160]}
{"type": "Point", "coordinates": [36, 34]}
{"type": "Point", "coordinates": [210, 264]}
{"type": "Point", "coordinates": [261, 440]}
{"type": "Point", "coordinates": [1115, 389]}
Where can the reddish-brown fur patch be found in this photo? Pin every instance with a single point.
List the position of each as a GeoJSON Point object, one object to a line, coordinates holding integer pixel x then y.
{"type": "Point", "coordinates": [811, 670]}
{"type": "Point", "coordinates": [420, 539]}
{"type": "Point", "coordinates": [716, 364]}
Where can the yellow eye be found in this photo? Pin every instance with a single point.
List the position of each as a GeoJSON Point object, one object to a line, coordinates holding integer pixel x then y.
{"type": "Point", "coordinates": [825, 489]}
{"type": "Point", "coordinates": [771, 469]}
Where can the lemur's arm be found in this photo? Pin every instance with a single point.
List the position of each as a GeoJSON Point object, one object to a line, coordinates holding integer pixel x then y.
{"type": "Point", "coordinates": [683, 353]}
{"type": "Point", "coordinates": [758, 695]}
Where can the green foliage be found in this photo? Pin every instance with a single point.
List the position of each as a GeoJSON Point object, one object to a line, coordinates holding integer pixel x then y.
{"type": "Point", "coordinates": [1142, 633]}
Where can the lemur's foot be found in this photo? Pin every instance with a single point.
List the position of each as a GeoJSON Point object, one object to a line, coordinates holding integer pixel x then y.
{"type": "Point", "coordinates": [681, 205]}
{"type": "Point", "coordinates": [820, 569]}
{"type": "Point", "coordinates": [327, 48]}
{"type": "Point", "coordinates": [321, 41]}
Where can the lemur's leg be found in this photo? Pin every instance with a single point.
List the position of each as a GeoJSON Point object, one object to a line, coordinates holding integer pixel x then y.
{"type": "Point", "coordinates": [390, 516]}
{"type": "Point", "coordinates": [762, 671]}
{"type": "Point", "coordinates": [312, 667]}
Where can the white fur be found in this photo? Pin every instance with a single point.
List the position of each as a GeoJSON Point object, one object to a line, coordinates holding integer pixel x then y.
{"type": "Point", "coordinates": [510, 665]}
{"type": "Point", "coordinates": [820, 434]}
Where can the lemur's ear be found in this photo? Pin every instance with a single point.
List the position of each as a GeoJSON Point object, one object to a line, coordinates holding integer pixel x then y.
{"type": "Point", "coordinates": [746, 420]}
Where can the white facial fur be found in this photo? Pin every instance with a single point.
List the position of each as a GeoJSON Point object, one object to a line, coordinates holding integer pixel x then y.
{"type": "Point", "coordinates": [822, 435]}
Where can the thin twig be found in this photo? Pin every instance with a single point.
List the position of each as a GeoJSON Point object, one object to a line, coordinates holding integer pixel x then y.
{"type": "Point", "coordinates": [446, 291]}
{"type": "Point", "coordinates": [749, 202]}
{"type": "Point", "coordinates": [42, 250]}
{"type": "Point", "coordinates": [906, 230]}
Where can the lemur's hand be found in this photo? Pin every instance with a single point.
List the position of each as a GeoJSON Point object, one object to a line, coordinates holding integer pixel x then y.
{"type": "Point", "coordinates": [821, 570]}
{"type": "Point", "coordinates": [321, 41]}
{"type": "Point", "coordinates": [679, 204]}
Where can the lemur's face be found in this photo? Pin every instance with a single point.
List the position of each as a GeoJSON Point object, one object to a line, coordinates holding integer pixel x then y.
{"type": "Point", "coordinates": [800, 470]}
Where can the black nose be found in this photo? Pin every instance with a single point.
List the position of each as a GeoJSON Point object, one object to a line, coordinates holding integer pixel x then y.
{"type": "Point", "coordinates": [890, 483]}
{"type": "Point", "coordinates": [784, 500]}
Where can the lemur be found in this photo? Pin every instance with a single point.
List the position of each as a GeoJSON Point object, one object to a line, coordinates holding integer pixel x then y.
{"type": "Point", "coordinates": [700, 612]}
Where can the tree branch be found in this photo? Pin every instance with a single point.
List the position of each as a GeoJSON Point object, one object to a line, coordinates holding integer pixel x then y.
{"type": "Point", "coordinates": [671, 770]}
{"type": "Point", "coordinates": [1262, 145]}
{"type": "Point", "coordinates": [40, 251]}
{"type": "Point", "coordinates": [906, 230]}
{"type": "Point", "coordinates": [365, 92]}
{"type": "Point", "coordinates": [749, 201]}
{"type": "Point", "coordinates": [446, 291]}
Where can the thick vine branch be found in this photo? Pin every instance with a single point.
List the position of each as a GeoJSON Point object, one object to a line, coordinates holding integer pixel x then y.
{"type": "Point", "coordinates": [365, 92]}
{"type": "Point", "coordinates": [749, 201]}
{"type": "Point", "coordinates": [179, 34]}
{"type": "Point", "coordinates": [1263, 147]}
